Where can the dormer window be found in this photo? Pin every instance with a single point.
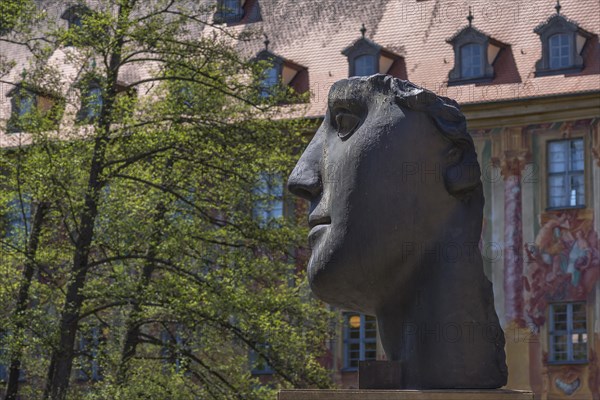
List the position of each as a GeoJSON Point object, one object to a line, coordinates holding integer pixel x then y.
{"type": "Point", "coordinates": [280, 73]}
{"type": "Point", "coordinates": [560, 51]}
{"type": "Point", "coordinates": [562, 43]}
{"type": "Point", "coordinates": [232, 9]}
{"type": "Point", "coordinates": [366, 57]}
{"type": "Point", "coordinates": [75, 21]}
{"type": "Point", "coordinates": [24, 104]}
{"type": "Point", "coordinates": [93, 97]}
{"type": "Point", "coordinates": [91, 104]}
{"type": "Point", "coordinates": [29, 105]}
{"type": "Point", "coordinates": [474, 55]}
{"type": "Point", "coordinates": [229, 11]}
{"type": "Point", "coordinates": [365, 65]}
{"type": "Point", "coordinates": [471, 60]}
{"type": "Point", "coordinates": [74, 15]}
{"type": "Point", "coordinates": [270, 81]}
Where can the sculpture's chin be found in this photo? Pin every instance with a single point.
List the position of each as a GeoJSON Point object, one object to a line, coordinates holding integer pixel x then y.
{"type": "Point", "coordinates": [329, 282]}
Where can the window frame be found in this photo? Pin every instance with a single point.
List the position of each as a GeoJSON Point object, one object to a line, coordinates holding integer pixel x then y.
{"type": "Point", "coordinates": [481, 60]}
{"type": "Point", "coordinates": [362, 340]}
{"type": "Point", "coordinates": [172, 341]}
{"type": "Point", "coordinates": [266, 87]}
{"type": "Point", "coordinates": [224, 16]}
{"type": "Point", "coordinates": [44, 105]}
{"type": "Point", "coordinates": [560, 46]}
{"type": "Point", "coordinates": [90, 344]}
{"type": "Point", "coordinates": [373, 62]}
{"type": "Point", "coordinates": [255, 358]}
{"type": "Point", "coordinates": [385, 61]}
{"type": "Point", "coordinates": [544, 172]}
{"type": "Point", "coordinates": [471, 36]}
{"type": "Point", "coordinates": [74, 16]}
{"type": "Point", "coordinates": [82, 116]}
{"type": "Point", "coordinates": [4, 368]}
{"type": "Point", "coordinates": [360, 48]}
{"type": "Point", "coordinates": [16, 113]}
{"type": "Point", "coordinates": [275, 193]}
{"type": "Point", "coordinates": [569, 332]}
{"type": "Point", "coordinates": [290, 76]}
{"type": "Point", "coordinates": [555, 25]}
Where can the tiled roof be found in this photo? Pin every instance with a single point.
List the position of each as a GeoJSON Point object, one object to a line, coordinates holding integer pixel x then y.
{"type": "Point", "coordinates": [313, 33]}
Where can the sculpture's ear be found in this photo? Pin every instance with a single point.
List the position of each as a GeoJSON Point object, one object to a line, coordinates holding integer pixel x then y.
{"type": "Point", "coordinates": [462, 174]}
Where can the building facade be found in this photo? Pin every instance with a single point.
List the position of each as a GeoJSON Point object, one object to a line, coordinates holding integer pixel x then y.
{"type": "Point", "coordinates": [527, 76]}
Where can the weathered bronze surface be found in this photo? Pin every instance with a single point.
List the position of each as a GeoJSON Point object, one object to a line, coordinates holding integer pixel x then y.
{"type": "Point", "coordinates": [396, 208]}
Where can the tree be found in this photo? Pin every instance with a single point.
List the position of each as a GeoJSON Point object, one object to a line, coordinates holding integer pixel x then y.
{"type": "Point", "coordinates": [152, 237]}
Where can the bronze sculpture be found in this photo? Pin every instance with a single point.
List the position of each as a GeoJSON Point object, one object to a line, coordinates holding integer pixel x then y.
{"type": "Point", "coordinates": [396, 211]}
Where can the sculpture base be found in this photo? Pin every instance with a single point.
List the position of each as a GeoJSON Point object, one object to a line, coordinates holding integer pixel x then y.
{"type": "Point", "coordinates": [379, 375]}
{"type": "Point", "coordinates": [358, 394]}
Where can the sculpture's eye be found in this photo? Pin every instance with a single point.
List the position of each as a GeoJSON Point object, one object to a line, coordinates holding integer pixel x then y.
{"type": "Point", "coordinates": [346, 124]}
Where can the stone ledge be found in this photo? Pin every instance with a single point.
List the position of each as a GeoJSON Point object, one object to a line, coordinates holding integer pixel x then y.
{"type": "Point", "coordinates": [356, 394]}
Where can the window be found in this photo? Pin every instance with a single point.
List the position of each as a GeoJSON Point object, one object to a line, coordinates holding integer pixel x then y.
{"type": "Point", "coordinates": [5, 361]}
{"type": "Point", "coordinates": [364, 65]}
{"type": "Point", "coordinates": [185, 95]}
{"type": "Point", "coordinates": [360, 339]}
{"type": "Point", "coordinates": [171, 351]}
{"type": "Point", "coordinates": [562, 44]}
{"type": "Point", "coordinates": [566, 178]}
{"type": "Point", "coordinates": [560, 51]}
{"type": "Point", "coordinates": [232, 8]}
{"type": "Point", "coordinates": [259, 364]}
{"type": "Point", "coordinates": [91, 104]}
{"type": "Point", "coordinates": [93, 96]}
{"type": "Point", "coordinates": [229, 11]}
{"type": "Point", "coordinates": [33, 109]}
{"type": "Point", "coordinates": [282, 79]}
{"type": "Point", "coordinates": [3, 358]}
{"type": "Point", "coordinates": [16, 218]}
{"type": "Point", "coordinates": [269, 198]}
{"type": "Point", "coordinates": [74, 16]}
{"type": "Point", "coordinates": [75, 21]}
{"type": "Point", "coordinates": [568, 333]}
{"type": "Point", "coordinates": [89, 346]}
{"type": "Point", "coordinates": [3, 373]}
{"type": "Point", "coordinates": [24, 105]}
{"type": "Point", "coordinates": [270, 81]}
{"type": "Point", "coordinates": [366, 58]}
{"type": "Point", "coordinates": [471, 60]}
{"type": "Point", "coordinates": [474, 56]}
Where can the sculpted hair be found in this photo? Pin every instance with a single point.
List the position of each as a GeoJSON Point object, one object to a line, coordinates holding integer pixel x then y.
{"type": "Point", "coordinates": [463, 176]}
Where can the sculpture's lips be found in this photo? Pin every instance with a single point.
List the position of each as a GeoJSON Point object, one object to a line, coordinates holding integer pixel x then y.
{"type": "Point", "coordinates": [314, 220]}
{"type": "Point", "coordinates": [317, 223]}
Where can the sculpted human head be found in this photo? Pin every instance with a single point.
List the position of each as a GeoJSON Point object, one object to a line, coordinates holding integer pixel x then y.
{"type": "Point", "coordinates": [389, 168]}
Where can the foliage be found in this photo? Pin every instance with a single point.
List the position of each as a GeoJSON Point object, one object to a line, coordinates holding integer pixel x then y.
{"type": "Point", "coordinates": [137, 245]}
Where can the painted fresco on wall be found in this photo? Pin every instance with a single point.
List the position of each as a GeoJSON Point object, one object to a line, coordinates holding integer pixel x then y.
{"type": "Point", "coordinates": [577, 382]}
{"type": "Point", "coordinates": [562, 265]}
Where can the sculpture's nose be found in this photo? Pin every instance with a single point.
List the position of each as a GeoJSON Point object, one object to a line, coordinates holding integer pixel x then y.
{"type": "Point", "coordinates": [305, 180]}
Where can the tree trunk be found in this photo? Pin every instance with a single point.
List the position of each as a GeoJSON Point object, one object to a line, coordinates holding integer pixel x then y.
{"type": "Point", "coordinates": [62, 357]}
{"type": "Point", "coordinates": [61, 361]}
{"type": "Point", "coordinates": [132, 333]}
{"type": "Point", "coordinates": [12, 385]}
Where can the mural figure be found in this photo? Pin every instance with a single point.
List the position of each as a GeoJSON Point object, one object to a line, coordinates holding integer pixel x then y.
{"type": "Point", "coordinates": [562, 265]}
{"type": "Point", "coordinates": [396, 206]}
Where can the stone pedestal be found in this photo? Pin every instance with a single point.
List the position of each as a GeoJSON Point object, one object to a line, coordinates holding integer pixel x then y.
{"type": "Point", "coordinates": [356, 394]}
